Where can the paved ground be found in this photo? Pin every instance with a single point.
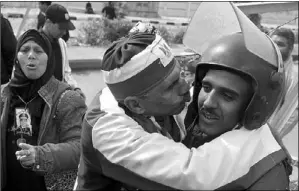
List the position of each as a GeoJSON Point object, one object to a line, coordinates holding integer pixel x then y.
{"type": "Point", "coordinates": [90, 81]}
{"type": "Point", "coordinates": [85, 52]}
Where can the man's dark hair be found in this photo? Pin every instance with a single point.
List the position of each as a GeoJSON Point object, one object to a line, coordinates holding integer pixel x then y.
{"type": "Point", "coordinates": [286, 33]}
{"type": "Point", "coordinates": [48, 3]}
{"type": "Point", "coordinates": [88, 5]}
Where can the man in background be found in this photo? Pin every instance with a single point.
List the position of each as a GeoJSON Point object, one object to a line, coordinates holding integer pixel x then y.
{"type": "Point", "coordinates": [8, 49]}
{"type": "Point", "coordinates": [56, 24]}
{"type": "Point", "coordinates": [109, 11]}
{"type": "Point", "coordinates": [41, 18]}
{"type": "Point", "coordinates": [88, 8]}
{"type": "Point", "coordinates": [287, 117]}
{"type": "Point", "coordinates": [256, 18]}
{"type": "Point", "coordinates": [285, 40]}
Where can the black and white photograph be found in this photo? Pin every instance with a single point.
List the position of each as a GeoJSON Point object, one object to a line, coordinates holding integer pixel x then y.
{"type": "Point", "coordinates": [23, 122]}
{"type": "Point", "coordinates": [149, 95]}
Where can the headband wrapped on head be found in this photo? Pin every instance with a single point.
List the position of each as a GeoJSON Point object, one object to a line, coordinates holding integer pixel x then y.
{"type": "Point", "coordinates": [137, 63]}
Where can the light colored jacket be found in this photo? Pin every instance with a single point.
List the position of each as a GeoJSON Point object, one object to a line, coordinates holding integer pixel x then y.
{"type": "Point", "coordinates": [285, 118]}
{"type": "Point", "coordinates": [67, 73]}
{"type": "Point", "coordinates": [123, 144]}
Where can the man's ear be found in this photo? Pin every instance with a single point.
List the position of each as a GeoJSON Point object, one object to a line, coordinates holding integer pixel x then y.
{"type": "Point", "coordinates": [133, 104]}
{"type": "Point", "coordinates": [49, 22]}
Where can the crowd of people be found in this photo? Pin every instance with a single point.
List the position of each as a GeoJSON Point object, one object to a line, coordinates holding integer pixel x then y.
{"type": "Point", "coordinates": [212, 121]}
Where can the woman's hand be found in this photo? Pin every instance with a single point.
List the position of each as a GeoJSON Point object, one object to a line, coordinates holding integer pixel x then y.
{"type": "Point", "coordinates": [27, 155]}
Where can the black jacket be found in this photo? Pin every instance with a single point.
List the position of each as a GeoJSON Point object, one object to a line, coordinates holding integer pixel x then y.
{"type": "Point", "coordinates": [8, 50]}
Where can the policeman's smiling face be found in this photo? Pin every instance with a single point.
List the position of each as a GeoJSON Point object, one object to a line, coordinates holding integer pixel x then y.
{"type": "Point", "coordinates": [222, 101]}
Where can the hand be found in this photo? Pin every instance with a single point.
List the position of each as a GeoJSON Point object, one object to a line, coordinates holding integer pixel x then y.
{"type": "Point", "coordinates": [27, 155]}
{"type": "Point", "coordinates": [81, 93]}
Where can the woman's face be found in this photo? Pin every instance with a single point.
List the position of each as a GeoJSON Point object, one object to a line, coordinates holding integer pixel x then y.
{"type": "Point", "coordinates": [33, 60]}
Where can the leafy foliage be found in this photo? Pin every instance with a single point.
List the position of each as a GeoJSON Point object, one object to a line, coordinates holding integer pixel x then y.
{"type": "Point", "coordinates": [101, 32]}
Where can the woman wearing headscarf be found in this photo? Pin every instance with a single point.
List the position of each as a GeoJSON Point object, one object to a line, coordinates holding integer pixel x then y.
{"type": "Point", "coordinates": [50, 142]}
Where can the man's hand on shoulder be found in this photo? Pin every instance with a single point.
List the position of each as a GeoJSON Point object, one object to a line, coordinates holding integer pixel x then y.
{"type": "Point", "coordinates": [80, 92]}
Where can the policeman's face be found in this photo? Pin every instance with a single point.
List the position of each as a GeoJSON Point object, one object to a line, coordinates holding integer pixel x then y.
{"type": "Point", "coordinates": [221, 101]}
{"type": "Point", "coordinates": [283, 46]}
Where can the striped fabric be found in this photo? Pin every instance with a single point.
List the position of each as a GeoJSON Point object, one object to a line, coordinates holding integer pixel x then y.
{"type": "Point", "coordinates": [157, 50]}
{"type": "Point", "coordinates": [143, 71]}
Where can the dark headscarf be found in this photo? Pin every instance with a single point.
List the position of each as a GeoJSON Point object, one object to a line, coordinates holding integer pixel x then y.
{"type": "Point", "coordinates": [20, 84]}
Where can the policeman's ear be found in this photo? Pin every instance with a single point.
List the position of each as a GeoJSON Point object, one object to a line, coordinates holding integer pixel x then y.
{"type": "Point", "coordinates": [133, 104]}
